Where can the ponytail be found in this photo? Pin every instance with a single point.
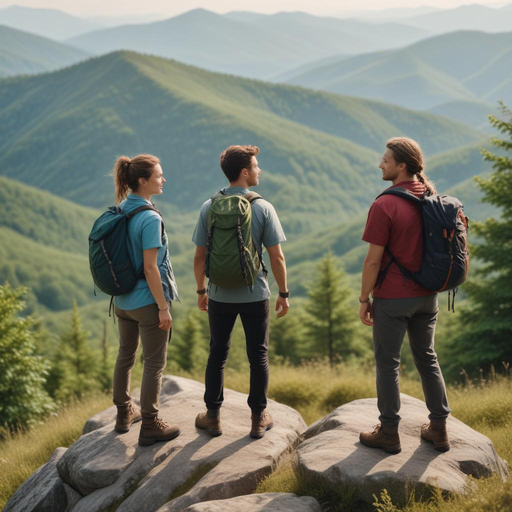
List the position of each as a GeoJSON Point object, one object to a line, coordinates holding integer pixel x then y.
{"type": "Point", "coordinates": [120, 173]}
{"type": "Point", "coordinates": [422, 177]}
{"type": "Point", "coordinates": [128, 171]}
{"type": "Point", "coordinates": [408, 151]}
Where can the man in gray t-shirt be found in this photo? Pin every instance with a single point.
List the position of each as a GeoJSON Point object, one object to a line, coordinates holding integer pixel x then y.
{"type": "Point", "coordinates": [223, 305]}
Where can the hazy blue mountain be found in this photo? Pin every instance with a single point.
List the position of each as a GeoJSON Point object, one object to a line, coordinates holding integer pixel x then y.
{"type": "Point", "coordinates": [423, 75]}
{"type": "Point", "coordinates": [45, 22]}
{"type": "Point", "coordinates": [115, 21]}
{"type": "Point", "coordinates": [289, 74]}
{"type": "Point", "coordinates": [23, 53]}
{"type": "Point", "coordinates": [62, 131]}
{"type": "Point", "coordinates": [207, 40]}
{"type": "Point", "coordinates": [340, 36]}
{"type": "Point", "coordinates": [247, 44]}
{"type": "Point", "coordinates": [465, 17]}
{"type": "Point", "coordinates": [399, 13]}
{"type": "Point", "coordinates": [245, 16]}
{"type": "Point", "coordinates": [471, 113]}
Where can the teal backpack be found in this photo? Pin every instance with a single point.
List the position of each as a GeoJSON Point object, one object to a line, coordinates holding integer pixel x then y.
{"type": "Point", "coordinates": [232, 258]}
{"type": "Point", "coordinates": [109, 259]}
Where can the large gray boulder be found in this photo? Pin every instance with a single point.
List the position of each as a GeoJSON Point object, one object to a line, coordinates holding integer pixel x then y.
{"type": "Point", "coordinates": [110, 470]}
{"type": "Point", "coordinates": [44, 491]}
{"type": "Point", "coordinates": [332, 453]}
{"type": "Point", "coordinates": [269, 502]}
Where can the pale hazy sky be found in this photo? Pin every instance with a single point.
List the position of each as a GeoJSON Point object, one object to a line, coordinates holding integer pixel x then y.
{"type": "Point", "coordinates": [171, 8]}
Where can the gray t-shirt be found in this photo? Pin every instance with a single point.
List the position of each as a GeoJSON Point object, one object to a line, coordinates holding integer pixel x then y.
{"type": "Point", "coordinates": [266, 230]}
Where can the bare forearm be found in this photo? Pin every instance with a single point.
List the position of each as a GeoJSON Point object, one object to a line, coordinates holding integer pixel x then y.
{"type": "Point", "coordinates": [369, 278]}
{"type": "Point", "coordinates": [199, 273]}
{"type": "Point", "coordinates": [155, 285]}
{"type": "Point", "coordinates": [278, 266]}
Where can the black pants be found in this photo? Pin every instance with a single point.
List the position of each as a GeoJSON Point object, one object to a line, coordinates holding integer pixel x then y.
{"type": "Point", "coordinates": [255, 321]}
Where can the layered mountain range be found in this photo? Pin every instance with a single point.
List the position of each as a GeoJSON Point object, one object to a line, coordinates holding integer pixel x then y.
{"type": "Point", "coordinates": [62, 131]}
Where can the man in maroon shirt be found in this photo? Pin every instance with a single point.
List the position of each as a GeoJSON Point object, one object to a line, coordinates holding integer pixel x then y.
{"type": "Point", "coordinates": [400, 304]}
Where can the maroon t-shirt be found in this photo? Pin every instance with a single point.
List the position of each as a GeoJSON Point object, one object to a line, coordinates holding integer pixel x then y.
{"type": "Point", "coordinates": [396, 222]}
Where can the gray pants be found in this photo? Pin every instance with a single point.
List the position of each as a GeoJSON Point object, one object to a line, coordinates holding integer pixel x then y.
{"type": "Point", "coordinates": [391, 319]}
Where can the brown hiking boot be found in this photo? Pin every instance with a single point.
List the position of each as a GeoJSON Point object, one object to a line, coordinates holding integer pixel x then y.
{"type": "Point", "coordinates": [155, 429]}
{"type": "Point", "coordinates": [209, 422]}
{"type": "Point", "coordinates": [435, 432]}
{"type": "Point", "coordinates": [260, 424]}
{"type": "Point", "coordinates": [384, 437]}
{"type": "Point", "coordinates": [126, 415]}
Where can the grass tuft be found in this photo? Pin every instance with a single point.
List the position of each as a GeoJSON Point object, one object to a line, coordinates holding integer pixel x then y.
{"type": "Point", "coordinates": [23, 453]}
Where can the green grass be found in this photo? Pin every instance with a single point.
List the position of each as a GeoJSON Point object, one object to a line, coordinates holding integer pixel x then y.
{"type": "Point", "coordinates": [314, 389]}
{"type": "Point", "coordinates": [23, 453]}
{"type": "Point", "coordinates": [485, 406]}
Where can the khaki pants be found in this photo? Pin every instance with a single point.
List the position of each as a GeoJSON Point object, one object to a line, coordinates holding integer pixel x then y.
{"type": "Point", "coordinates": [144, 322]}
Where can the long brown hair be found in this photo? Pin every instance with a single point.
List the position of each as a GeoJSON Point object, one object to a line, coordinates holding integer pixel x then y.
{"type": "Point", "coordinates": [408, 151]}
{"type": "Point", "coordinates": [127, 172]}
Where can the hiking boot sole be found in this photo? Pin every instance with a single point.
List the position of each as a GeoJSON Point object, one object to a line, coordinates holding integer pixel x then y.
{"type": "Point", "coordinates": [148, 441]}
{"type": "Point", "coordinates": [259, 435]}
{"type": "Point", "coordinates": [126, 429]}
{"type": "Point", "coordinates": [393, 450]}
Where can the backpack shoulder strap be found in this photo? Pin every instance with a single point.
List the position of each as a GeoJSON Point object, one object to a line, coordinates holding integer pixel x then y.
{"type": "Point", "coordinates": [401, 192]}
{"type": "Point", "coordinates": [141, 209]}
{"type": "Point", "coordinates": [252, 196]}
{"type": "Point", "coordinates": [147, 207]}
{"type": "Point", "coordinates": [218, 195]}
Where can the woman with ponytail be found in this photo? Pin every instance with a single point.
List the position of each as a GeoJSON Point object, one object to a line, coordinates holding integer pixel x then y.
{"type": "Point", "coordinates": [144, 311]}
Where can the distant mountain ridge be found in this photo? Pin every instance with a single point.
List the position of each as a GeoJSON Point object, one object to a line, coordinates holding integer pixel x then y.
{"type": "Point", "coordinates": [465, 17]}
{"type": "Point", "coordinates": [50, 23]}
{"type": "Point", "coordinates": [23, 53]}
{"type": "Point", "coordinates": [460, 66]}
{"type": "Point", "coordinates": [257, 46]}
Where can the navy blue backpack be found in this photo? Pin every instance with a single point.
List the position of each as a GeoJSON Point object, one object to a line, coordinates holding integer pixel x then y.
{"type": "Point", "coordinates": [445, 262]}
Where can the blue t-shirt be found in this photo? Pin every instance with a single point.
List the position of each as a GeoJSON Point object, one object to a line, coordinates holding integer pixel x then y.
{"type": "Point", "coordinates": [145, 232]}
{"type": "Point", "coordinates": [266, 230]}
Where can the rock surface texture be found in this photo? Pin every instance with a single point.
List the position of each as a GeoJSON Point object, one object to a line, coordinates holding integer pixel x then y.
{"type": "Point", "coordinates": [105, 470]}
{"type": "Point", "coordinates": [269, 502]}
{"type": "Point", "coordinates": [110, 470]}
{"type": "Point", "coordinates": [44, 491]}
{"type": "Point", "coordinates": [332, 452]}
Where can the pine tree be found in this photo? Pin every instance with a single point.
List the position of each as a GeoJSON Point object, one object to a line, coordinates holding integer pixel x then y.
{"type": "Point", "coordinates": [331, 317]}
{"type": "Point", "coordinates": [75, 365]}
{"type": "Point", "coordinates": [190, 351]}
{"type": "Point", "coordinates": [23, 399]}
{"type": "Point", "coordinates": [287, 336]}
{"type": "Point", "coordinates": [486, 331]}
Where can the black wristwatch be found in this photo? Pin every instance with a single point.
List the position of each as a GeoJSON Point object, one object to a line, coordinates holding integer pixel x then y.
{"type": "Point", "coordinates": [201, 292]}
{"type": "Point", "coordinates": [284, 295]}
{"type": "Point", "coordinates": [364, 301]}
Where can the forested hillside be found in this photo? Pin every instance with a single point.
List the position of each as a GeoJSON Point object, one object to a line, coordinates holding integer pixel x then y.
{"type": "Point", "coordinates": [62, 132]}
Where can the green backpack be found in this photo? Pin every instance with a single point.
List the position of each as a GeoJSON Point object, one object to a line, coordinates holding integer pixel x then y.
{"type": "Point", "coordinates": [232, 257]}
